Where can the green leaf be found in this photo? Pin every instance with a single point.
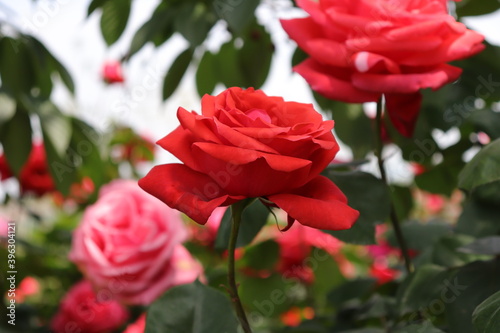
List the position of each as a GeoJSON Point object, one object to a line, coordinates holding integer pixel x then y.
{"type": "Point", "coordinates": [298, 56]}
{"type": "Point", "coordinates": [17, 70]}
{"type": "Point", "coordinates": [402, 199]}
{"type": "Point", "coordinates": [161, 20]}
{"type": "Point", "coordinates": [55, 126]}
{"type": "Point", "coordinates": [237, 13]}
{"type": "Point", "coordinates": [441, 179]}
{"type": "Point", "coordinates": [327, 274]}
{"type": "Point", "coordinates": [94, 5]}
{"type": "Point", "coordinates": [420, 236]}
{"type": "Point", "coordinates": [476, 7]}
{"type": "Point", "coordinates": [472, 285]}
{"type": "Point", "coordinates": [114, 19]}
{"type": "Point", "coordinates": [16, 140]}
{"type": "Point", "coordinates": [176, 72]}
{"type": "Point", "coordinates": [486, 316]}
{"type": "Point", "coordinates": [478, 219]}
{"type": "Point", "coordinates": [352, 289]}
{"type": "Point", "coordinates": [486, 121]}
{"type": "Point", "coordinates": [370, 196]}
{"type": "Point", "coordinates": [422, 287]}
{"type": "Point", "coordinates": [7, 108]}
{"type": "Point", "coordinates": [227, 66]}
{"type": "Point", "coordinates": [445, 251]}
{"type": "Point", "coordinates": [425, 327]}
{"type": "Point", "coordinates": [191, 308]}
{"type": "Point", "coordinates": [206, 78]}
{"type": "Point", "coordinates": [350, 120]}
{"type": "Point", "coordinates": [193, 21]}
{"type": "Point", "coordinates": [255, 56]}
{"type": "Point", "coordinates": [266, 296]}
{"type": "Point", "coordinates": [487, 246]}
{"type": "Point", "coordinates": [262, 256]}
{"type": "Point", "coordinates": [483, 168]}
{"type": "Point", "coordinates": [254, 217]}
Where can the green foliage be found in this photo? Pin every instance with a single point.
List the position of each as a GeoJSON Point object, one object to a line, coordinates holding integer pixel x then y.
{"type": "Point", "coordinates": [17, 148]}
{"type": "Point", "coordinates": [361, 188]}
{"type": "Point", "coordinates": [114, 19]}
{"type": "Point", "coordinates": [254, 217]}
{"type": "Point", "coordinates": [176, 72]}
{"type": "Point", "coordinates": [191, 308]}
{"type": "Point", "coordinates": [486, 316]}
{"type": "Point", "coordinates": [483, 168]}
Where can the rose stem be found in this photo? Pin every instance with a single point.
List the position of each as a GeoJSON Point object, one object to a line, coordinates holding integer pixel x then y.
{"type": "Point", "coordinates": [236, 211]}
{"type": "Point", "coordinates": [394, 218]}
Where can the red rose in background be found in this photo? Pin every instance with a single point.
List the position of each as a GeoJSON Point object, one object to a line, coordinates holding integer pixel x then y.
{"type": "Point", "coordinates": [130, 244]}
{"type": "Point", "coordinates": [35, 176]}
{"type": "Point", "coordinates": [112, 72]}
{"type": "Point", "coordinates": [246, 144]}
{"type": "Point", "coordinates": [360, 50]}
{"type": "Point", "coordinates": [296, 246]}
{"type": "Point", "coordinates": [82, 310]}
{"type": "Point", "coordinates": [381, 271]}
{"type": "Point", "coordinates": [139, 326]}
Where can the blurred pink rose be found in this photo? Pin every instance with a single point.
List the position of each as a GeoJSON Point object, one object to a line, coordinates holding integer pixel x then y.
{"type": "Point", "coordinates": [138, 326]}
{"type": "Point", "coordinates": [82, 310]}
{"type": "Point", "coordinates": [381, 271]}
{"type": "Point", "coordinates": [129, 242]}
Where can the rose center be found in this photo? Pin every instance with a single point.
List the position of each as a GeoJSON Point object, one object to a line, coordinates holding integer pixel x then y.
{"type": "Point", "coordinates": [258, 113]}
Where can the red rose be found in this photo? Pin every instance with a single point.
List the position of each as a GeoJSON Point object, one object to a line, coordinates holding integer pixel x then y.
{"type": "Point", "coordinates": [139, 326]}
{"type": "Point", "coordinates": [35, 176]}
{"type": "Point", "coordinates": [112, 72]}
{"type": "Point", "coordinates": [360, 50]}
{"type": "Point", "coordinates": [246, 144]}
{"type": "Point", "coordinates": [82, 310]}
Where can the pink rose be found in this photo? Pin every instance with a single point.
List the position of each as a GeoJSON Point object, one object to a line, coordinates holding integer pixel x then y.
{"type": "Point", "coordinates": [112, 72]}
{"type": "Point", "coordinates": [130, 243]}
{"type": "Point", "coordinates": [82, 310]}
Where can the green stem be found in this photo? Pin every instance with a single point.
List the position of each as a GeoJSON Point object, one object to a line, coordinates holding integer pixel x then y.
{"type": "Point", "coordinates": [394, 218]}
{"type": "Point", "coordinates": [236, 211]}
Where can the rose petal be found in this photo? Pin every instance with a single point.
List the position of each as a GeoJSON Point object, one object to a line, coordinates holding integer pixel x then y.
{"type": "Point", "coordinates": [318, 204]}
{"type": "Point", "coordinates": [403, 111]}
{"type": "Point", "coordinates": [184, 189]}
{"type": "Point", "coordinates": [325, 81]}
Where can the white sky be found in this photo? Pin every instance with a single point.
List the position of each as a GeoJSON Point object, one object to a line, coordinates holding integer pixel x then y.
{"type": "Point", "coordinates": [77, 42]}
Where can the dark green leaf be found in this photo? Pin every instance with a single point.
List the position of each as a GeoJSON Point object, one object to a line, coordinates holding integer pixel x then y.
{"type": "Point", "coordinates": [421, 236]}
{"type": "Point", "coordinates": [483, 168]}
{"type": "Point", "coordinates": [191, 308]}
{"type": "Point", "coordinates": [227, 66]}
{"type": "Point", "coordinates": [298, 56]}
{"type": "Point", "coordinates": [486, 316]}
{"type": "Point", "coordinates": [445, 251]}
{"type": "Point", "coordinates": [16, 67]}
{"type": "Point", "coordinates": [370, 196]}
{"type": "Point", "coordinates": [262, 256]}
{"type": "Point", "coordinates": [193, 21]}
{"type": "Point", "coordinates": [476, 7]}
{"type": "Point", "coordinates": [206, 78]}
{"type": "Point", "coordinates": [114, 19]}
{"type": "Point", "coordinates": [266, 296]}
{"type": "Point", "coordinates": [162, 18]}
{"type": "Point", "coordinates": [352, 120]}
{"type": "Point", "coordinates": [327, 274]}
{"type": "Point", "coordinates": [94, 5]}
{"type": "Point", "coordinates": [486, 121]}
{"type": "Point", "coordinates": [422, 287]}
{"type": "Point", "coordinates": [254, 217]}
{"type": "Point", "coordinates": [255, 56]}
{"type": "Point", "coordinates": [176, 72]}
{"type": "Point", "coordinates": [425, 327]}
{"type": "Point", "coordinates": [237, 13]}
{"type": "Point", "coordinates": [353, 289]}
{"type": "Point", "coordinates": [402, 199]}
{"type": "Point", "coordinates": [487, 246]}
{"type": "Point", "coordinates": [472, 285]}
{"type": "Point", "coordinates": [16, 140]}
{"type": "Point", "coordinates": [479, 219]}
{"type": "Point", "coordinates": [441, 179]}
{"type": "Point", "coordinates": [7, 108]}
